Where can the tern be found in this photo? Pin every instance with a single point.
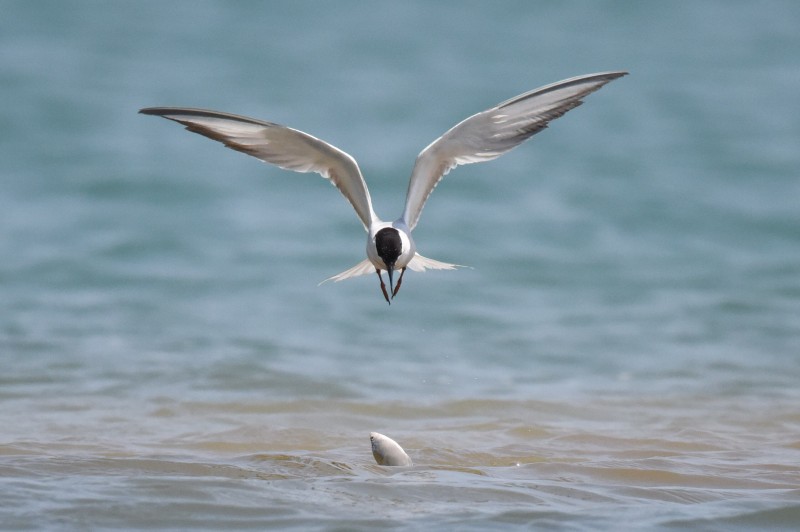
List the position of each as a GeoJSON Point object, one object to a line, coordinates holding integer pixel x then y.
{"type": "Point", "coordinates": [390, 247]}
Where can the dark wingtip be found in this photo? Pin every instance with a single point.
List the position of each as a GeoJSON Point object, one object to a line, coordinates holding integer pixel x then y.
{"type": "Point", "coordinates": [161, 111]}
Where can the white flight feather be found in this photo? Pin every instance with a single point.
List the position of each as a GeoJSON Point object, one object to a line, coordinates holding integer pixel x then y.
{"type": "Point", "coordinates": [493, 132]}
{"type": "Point", "coordinates": [282, 146]}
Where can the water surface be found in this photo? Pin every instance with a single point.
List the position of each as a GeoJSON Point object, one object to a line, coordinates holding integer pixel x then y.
{"type": "Point", "coordinates": [623, 351]}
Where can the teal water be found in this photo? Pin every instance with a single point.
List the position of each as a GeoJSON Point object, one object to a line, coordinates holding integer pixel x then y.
{"type": "Point", "coordinates": [623, 353]}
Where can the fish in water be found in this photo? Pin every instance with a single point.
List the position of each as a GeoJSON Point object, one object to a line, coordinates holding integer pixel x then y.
{"type": "Point", "coordinates": [388, 452]}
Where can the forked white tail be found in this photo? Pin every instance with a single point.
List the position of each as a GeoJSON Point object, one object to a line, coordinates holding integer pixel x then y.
{"type": "Point", "coordinates": [417, 264]}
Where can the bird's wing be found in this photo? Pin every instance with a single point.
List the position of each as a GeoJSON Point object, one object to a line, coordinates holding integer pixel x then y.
{"type": "Point", "coordinates": [491, 133]}
{"type": "Point", "coordinates": [279, 145]}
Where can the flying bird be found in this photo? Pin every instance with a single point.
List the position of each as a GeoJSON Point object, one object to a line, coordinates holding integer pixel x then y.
{"type": "Point", "coordinates": [390, 246]}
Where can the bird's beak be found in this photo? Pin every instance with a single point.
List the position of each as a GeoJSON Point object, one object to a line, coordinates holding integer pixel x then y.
{"type": "Point", "coordinates": [390, 271]}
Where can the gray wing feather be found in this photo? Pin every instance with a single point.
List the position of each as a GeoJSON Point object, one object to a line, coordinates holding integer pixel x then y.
{"type": "Point", "coordinates": [491, 133]}
{"type": "Point", "coordinates": [279, 145]}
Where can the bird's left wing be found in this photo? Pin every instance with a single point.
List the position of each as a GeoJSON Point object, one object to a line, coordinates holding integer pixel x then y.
{"type": "Point", "coordinates": [279, 145]}
{"type": "Point", "coordinates": [491, 133]}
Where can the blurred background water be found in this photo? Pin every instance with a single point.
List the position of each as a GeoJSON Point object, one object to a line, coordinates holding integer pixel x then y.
{"type": "Point", "coordinates": [622, 354]}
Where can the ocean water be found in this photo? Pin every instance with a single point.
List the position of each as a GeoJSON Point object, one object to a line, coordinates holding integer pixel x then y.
{"type": "Point", "coordinates": [622, 353]}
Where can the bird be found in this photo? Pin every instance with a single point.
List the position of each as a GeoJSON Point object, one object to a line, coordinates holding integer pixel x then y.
{"type": "Point", "coordinates": [390, 246]}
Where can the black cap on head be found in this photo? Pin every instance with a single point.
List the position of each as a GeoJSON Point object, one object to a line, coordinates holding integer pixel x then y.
{"type": "Point", "coordinates": [389, 246]}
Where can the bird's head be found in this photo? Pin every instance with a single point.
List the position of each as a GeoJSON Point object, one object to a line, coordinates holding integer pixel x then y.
{"type": "Point", "coordinates": [389, 246]}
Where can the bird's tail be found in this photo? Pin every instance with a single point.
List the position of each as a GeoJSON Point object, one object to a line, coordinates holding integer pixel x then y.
{"type": "Point", "coordinates": [418, 264]}
{"type": "Point", "coordinates": [362, 268]}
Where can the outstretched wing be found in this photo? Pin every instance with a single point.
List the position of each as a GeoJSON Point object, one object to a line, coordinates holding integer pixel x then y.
{"type": "Point", "coordinates": [279, 145]}
{"type": "Point", "coordinates": [491, 133]}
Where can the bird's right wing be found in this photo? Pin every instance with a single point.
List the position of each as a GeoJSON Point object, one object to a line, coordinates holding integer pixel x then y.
{"type": "Point", "coordinates": [279, 145]}
{"type": "Point", "coordinates": [491, 133]}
